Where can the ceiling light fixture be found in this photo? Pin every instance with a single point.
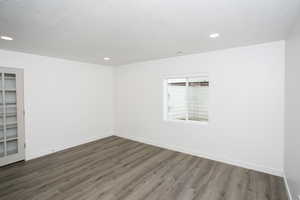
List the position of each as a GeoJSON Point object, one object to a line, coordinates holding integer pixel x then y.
{"type": "Point", "coordinates": [106, 58]}
{"type": "Point", "coordinates": [6, 37]}
{"type": "Point", "coordinates": [214, 35]}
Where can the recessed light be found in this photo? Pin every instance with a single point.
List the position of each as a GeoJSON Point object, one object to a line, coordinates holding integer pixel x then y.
{"type": "Point", "coordinates": [6, 38]}
{"type": "Point", "coordinates": [214, 35]}
{"type": "Point", "coordinates": [106, 58]}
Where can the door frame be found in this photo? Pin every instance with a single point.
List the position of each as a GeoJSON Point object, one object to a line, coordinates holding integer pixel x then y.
{"type": "Point", "coordinates": [20, 116]}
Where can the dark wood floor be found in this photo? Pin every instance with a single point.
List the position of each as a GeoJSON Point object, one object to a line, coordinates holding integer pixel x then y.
{"type": "Point", "coordinates": [116, 168]}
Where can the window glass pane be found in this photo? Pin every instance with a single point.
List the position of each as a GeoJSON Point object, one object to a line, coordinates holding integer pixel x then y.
{"type": "Point", "coordinates": [197, 99]}
{"type": "Point", "coordinates": [176, 98]}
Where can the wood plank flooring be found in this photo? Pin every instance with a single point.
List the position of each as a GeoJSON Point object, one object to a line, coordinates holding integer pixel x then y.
{"type": "Point", "coordinates": [115, 168]}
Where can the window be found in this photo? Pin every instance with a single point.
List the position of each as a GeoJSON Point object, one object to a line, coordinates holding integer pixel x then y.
{"type": "Point", "coordinates": [186, 98]}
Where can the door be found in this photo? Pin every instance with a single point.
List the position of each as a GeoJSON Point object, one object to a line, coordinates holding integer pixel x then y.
{"type": "Point", "coordinates": [12, 136]}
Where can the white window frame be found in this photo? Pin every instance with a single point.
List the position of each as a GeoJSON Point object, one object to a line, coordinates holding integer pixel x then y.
{"type": "Point", "coordinates": [165, 97]}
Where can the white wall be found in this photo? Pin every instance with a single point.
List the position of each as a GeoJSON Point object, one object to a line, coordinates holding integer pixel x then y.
{"type": "Point", "coordinates": [67, 103]}
{"type": "Point", "coordinates": [245, 111]}
{"type": "Point", "coordinates": [292, 110]}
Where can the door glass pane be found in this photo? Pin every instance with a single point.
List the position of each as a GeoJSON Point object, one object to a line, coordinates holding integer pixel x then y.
{"type": "Point", "coordinates": [1, 98]}
{"type": "Point", "coordinates": [1, 81]}
{"type": "Point", "coordinates": [177, 99]}
{"type": "Point", "coordinates": [1, 118]}
{"type": "Point", "coordinates": [10, 81]}
{"type": "Point", "coordinates": [11, 122]}
{"type": "Point", "coordinates": [11, 119]}
{"type": "Point", "coordinates": [11, 109]}
{"type": "Point", "coordinates": [11, 131]}
{"type": "Point", "coordinates": [1, 149]}
{"type": "Point", "coordinates": [11, 147]}
{"type": "Point", "coordinates": [1, 134]}
{"type": "Point", "coordinates": [1, 122]}
{"type": "Point", "coordinates": [198, 99]}
{"type": "Point", "coordinates": [10, 97]}
{"type": "Point", "coordinates": [1, 110]}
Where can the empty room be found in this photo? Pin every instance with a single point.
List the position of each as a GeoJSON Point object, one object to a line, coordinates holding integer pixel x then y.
{"type": "Point", "coordinates": [150, 100]}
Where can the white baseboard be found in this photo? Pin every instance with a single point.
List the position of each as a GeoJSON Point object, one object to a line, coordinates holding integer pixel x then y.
{"type": "Point", "coordinates": [45, 152]}
{"type": "Point", "coordinates": [287, 187]}
{"type": "Point", "coordinates": [243, 164]}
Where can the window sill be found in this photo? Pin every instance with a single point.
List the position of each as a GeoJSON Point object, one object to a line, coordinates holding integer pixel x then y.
{"type": "Point", "coordinates": [186, 122]}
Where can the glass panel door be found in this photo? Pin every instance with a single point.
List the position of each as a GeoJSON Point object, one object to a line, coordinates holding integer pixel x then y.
{"type": "Point", "coordinates": [11, 139]}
